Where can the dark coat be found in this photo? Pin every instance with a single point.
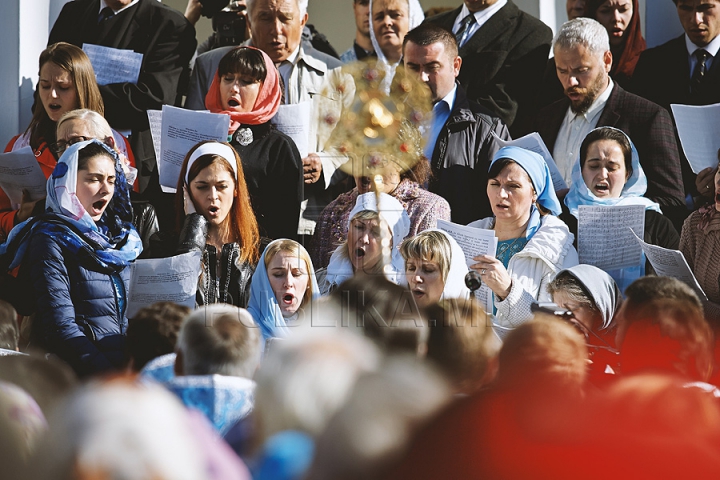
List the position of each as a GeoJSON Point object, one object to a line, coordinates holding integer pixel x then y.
{"type": "Point", "coordinates": [463, 152]}
{"type": "Point", "coordinates": [650, 128]}
{"type": "Point", "coordinates": [274, 176]}
{"type": "Point", "coordinates": [503, 62]}
{"type": "Point", "coordinates": [662, 75]}
{"type": "Point", "coordinates": [166, 40]}
{"type": "Point", "coordinates": [79, 307]}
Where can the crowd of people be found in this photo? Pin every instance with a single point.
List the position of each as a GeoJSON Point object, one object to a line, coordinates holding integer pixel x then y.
{"type": "Point", "coordinates": [343, 325]}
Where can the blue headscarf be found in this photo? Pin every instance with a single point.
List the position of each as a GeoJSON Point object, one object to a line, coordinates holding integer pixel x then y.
{"type": "Point", "coordinates": [632, 193]}
{"type": "Point", "coordinates": [263, 306]}
{"type": "Point", "coordinates": [112, 243]}
{"type": "Point", "coordinates": [539, 174]}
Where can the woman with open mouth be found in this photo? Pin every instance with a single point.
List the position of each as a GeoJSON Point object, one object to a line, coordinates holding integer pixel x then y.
{"type": "Point", "coordinates": [533, 244]}
{"type": "Point", "coordinates": [67, 82]}
{"type": "Point", "coordinates": [247, 88]}
{"type": "Point", "coordinates": [214, 217]}
{"type": "Point", "coordinates": [73, 260]}
{"type": "Point", "coordinates": [362, 252]}
{"type": "Point", "coordinates": [435, 267]}
{"type": "Point", "coordinates": [608, 172]}
{"type": "Point", "coordinates": [283, 288]}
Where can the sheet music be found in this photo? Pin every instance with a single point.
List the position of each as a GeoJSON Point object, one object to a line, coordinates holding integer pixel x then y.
{"type": "Point", "coordinates": [20, 170]}
{"type": "Point", "coordinates": [534, 143]}
{"type": "Point", "coordinates": [113, 65]}
{"type": "Point", "coordinates": [172, 279]}
{"type": "Point", "coordinates": [670, 263]}
{"type": "Point", "coordinates": [605, 235]}
{"type": "Point", "coordinates": [181, 130]}
{"type": "Point", "coordinates": [294, 121]}
{"type": "Point", "coordinates": [474, 242]}
{"type": "Point", "coordinates": [697, 127]}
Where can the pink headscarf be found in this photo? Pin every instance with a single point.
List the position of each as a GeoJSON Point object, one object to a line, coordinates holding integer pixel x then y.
{"type": "Point", "coordinates": [266, 105]}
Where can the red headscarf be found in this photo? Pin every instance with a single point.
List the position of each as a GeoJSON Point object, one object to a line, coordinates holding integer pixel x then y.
{"type": "Point", "coordinates": [634, 41]}
{"type": "Point", "coordinates": [266, 105]}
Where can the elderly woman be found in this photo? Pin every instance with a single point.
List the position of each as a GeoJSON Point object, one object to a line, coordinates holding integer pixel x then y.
{"type": "Point", "coordinates": [608, 172]}
{"type": "Point", "coordinates": [362, 252]}
{"type": "Point", "coordinates": [67, 82]}
{"type": "Point", "coordinates": [621, 19]}
{"type": "Point", "coordinates": [247, 88]}
{"type": "Point", "coordinates": [74, 260]}
{"type": "Point", "coordinates": [435, 267]}
{"type": "Point", "coordinates": [533, 244]}
{"type": "Point", "coordinates": [423, 207]}
{"type": "Point", "coordinates": [700, 243]}
{"type": "Point", "coordinates": [282, 286]}
{"type": "Point", "coordinates": [593, 298]}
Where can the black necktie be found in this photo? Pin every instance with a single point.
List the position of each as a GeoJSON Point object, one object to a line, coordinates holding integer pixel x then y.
{"type": "Point", "coordinates": [464, 29]}
{"type": "Point", "coordinates": [105, 13]}
{"type": "Point", "coordinates": [698, 75]}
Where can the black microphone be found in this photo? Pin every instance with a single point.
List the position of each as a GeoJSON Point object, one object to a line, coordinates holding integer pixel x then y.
{"type": "Point", "coordinates": [473, 280]}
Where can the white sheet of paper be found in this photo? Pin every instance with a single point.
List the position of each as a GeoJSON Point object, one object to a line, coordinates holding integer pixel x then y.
{"type": "Point", "coordinates": [534, 143]}
{"type": "Point", "coordinates": [20, 170]}
{"type": "Point", "coordinates": [113, 65]}
{"type": "Point", "coordinates": [294, 121]}
{"type": "Point", "coordinates": [172, 279]}
{"type": "Point", "coordinates": [181, 130]}
{"type": "Point", "coordinates": [671, 263]}
{"type": "Point", "coordinates": [697, 127]}
{"type": "Point", "coordinates": [605, 235]}
{"type": "Point", "coordinates": [155, 121]}
{"type": "Point", "coordinates": [474, 242]}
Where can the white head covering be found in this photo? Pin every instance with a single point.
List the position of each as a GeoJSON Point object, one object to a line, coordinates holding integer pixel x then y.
{"type": "Point", "coordinates": [455, 282]}
{"type": "Point", "coordinates": [212, 148]}
{"type": "Point", "coordinates": [415, 18]}
{"type": "Point", "coordinates": [340, 269]}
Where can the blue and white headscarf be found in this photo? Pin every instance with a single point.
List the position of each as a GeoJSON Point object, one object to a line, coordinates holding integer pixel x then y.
{"type": "Point", "coordinates": [264, 307]}
{"type": "Point", "coordinates": [539, 174]}
{"type": "Point", "coordinates": [632, 193]}
{"type": "Point", "coordinates": [112, 242]}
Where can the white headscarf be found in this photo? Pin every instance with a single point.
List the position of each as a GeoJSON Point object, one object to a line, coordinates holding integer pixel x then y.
{"type": "Point", "coordinates": [415, 18]}
{"type": "Point", "coordinates": [391, 210]}
{"type": "Point", "coordinates": [455, 282]}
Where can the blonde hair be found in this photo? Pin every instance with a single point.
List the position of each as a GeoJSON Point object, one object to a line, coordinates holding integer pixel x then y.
{"type": "Point", "coordinates": [361, 215]}
{"type": "Point", "coordinates": [431, 246]}
{"type": "Point", "coordinates": [96, 123]}
{"type": "Point", "coordinates": [294, 248]}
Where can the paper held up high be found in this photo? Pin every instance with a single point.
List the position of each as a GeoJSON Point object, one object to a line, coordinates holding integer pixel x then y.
{"type": "Point", "coordinates": [605, 235]}
{"type": "Point", "coordinates": [179, 131]}
{"type": "Point", "coordinates": [294, 121]}
{"type": "Point", "coordinates": [670, 263]}
{"type": "Point", "coordinates": [113, 65]}
{"type": "Point", "coordinates": [171, 279]}
{"type": "Point", "coordinates": [474, 242]}
{"type": "Point", "coordinates": [19, 170]}
{"type": "Point", "coordinates": [534, 143]}
{"type": "Point", "coordinates": [697, 127]}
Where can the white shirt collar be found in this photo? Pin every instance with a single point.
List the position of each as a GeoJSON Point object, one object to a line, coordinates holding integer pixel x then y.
{"type": "Point", "coordinates": [597, 106]}
{"type": "Point", "coordinates": [103, 4]}
{"type": "Point", "coordinates": [481, 16]}
{"type": "Point", "coordinates": [712, 47]}
{"type": "Point", "coordinates": [292, 58]}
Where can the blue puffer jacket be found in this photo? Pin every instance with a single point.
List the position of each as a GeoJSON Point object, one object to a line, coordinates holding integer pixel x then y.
{"type": "Point", "coordinates": [80, 310]}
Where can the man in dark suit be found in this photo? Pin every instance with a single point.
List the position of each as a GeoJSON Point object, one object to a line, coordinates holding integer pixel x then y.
{"type": "Point", "coordinates": [463, 136]}
{"type": "Point", "coordinates": [684, 70]}
{"type": "Point", "coordinates": [167, 42]}
{"type": "Point", "coordinates": [583, 59]}
{"type": "Point", "coordinates": [504, 52]}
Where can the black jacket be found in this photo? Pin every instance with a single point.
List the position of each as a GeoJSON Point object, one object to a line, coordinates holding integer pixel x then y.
{"type": "Point", "coordinates": [463, 152]}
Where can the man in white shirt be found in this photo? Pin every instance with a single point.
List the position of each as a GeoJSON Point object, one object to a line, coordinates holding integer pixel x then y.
{"type": "Point", "coordinates": [583, 62]}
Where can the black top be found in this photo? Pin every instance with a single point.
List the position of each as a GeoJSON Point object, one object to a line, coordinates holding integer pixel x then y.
{"type": "Point", "coordinates": [274, 176]}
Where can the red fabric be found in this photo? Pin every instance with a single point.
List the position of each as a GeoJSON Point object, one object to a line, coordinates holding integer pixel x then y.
{"type": "Point", "coordinates": [634, 41]}
{"type": "Point", "coordinates": [266, 105]}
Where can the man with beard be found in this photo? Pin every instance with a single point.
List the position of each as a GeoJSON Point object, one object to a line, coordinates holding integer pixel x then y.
{"type": "Point", "coordinates": [592, 99]}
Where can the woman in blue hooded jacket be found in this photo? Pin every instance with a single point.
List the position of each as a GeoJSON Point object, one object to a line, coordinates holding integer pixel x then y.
{"type": "Point", "coordinates": [74, 258]}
